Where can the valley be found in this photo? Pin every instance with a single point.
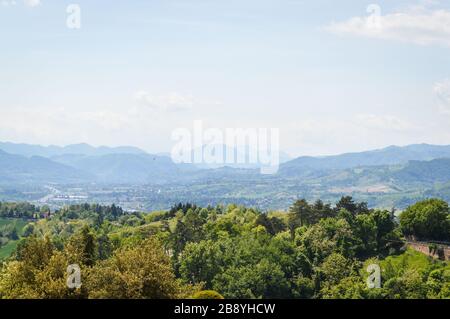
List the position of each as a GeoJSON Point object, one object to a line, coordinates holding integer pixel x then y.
{"type": "Point", "coordinates": [394, 177]}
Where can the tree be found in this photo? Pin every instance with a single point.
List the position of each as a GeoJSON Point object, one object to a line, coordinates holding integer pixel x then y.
{"type": "Point", "coordinates": [38, 271]}
{"type": "Point", "coordinates": [388, 235]}
{"type": "Point", "coordinates": [301, 214]}
{"type": "Point", "coordinates": [263, 280]}
{"type": "Point", "coordinates": [14, 235]}
{"type": "Point", "coordinates": [179, 237]}
{"type": "Point", "coordinates": [427, 220]}
{"type": "Point", "coordinates": [201, 262]}
{"type": "Point", "coordinates": [323, 210]}
{"type": "Point", "coordinates": [303, 288]}
{"type": "Point", "coordinates": [207, 294]}
{"type": "Point", "coordinates": [334, 268]}
{"type": "Point", "coordinates": [35, 252]}
{"type": "Point", "coordinates": [28, 230]}
{"type": "Point", "coordinates": [142, 271]}
{"type": "Point", "coordinates": [348, 204]}
{"type": "Point", "coordinates": [408, 286]}
{"type": "Point", "coordinates": [273, 225]}
{"type": "Point", "coordinates": [82, 247]}
{"type": "Point", "coordinates": [351, 287]}
{"type": "Point", "coordinates": [366, 230]}
{"type": "Point", "coordinates": [104, 246]}
{"type": "Point", "coordinates": [316, 244]}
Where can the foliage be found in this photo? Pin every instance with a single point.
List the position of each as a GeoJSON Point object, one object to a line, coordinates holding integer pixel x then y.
{"type": "Point", "coordinates": [427, 220]}
{"type": "Point", "coordinates": [143, 271]}
{"type": "Point", "coordinates": [208, 294]}
{"type": "Point", "coordinates": [19, 210]}
{"type": "Point", "coordinates": [313, 251]}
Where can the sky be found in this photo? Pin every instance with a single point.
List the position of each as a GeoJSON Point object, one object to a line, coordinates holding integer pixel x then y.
{"type": "Point", "coordinates": [332, 76]}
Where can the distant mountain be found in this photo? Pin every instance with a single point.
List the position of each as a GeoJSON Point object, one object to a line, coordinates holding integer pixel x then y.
{"type": "Point", "coordinates": [124, 168]}
{"type": "Point", "coordinates": [75, 168]}
{"type": "Point", "coordinates": [385, 178]}
{"type": "Point", "coordinates": [388, 156]}
{"type": "Point", "coordinates": [384, 186]}
{"type": "Point", "coordinates": [127, 165]}
{"type": "Point", "coordinates": [23, 170]}
{"type": "Point", "coordinates": [434, 171]}
{"type": "Point", "coordinates": [123, 165]}
{"type": "Point", "coordinates": [241, 153]}
{"type": "Point", "coordinates": [79, 149]}
{"type": "Point", "coordinates": [411, 174]}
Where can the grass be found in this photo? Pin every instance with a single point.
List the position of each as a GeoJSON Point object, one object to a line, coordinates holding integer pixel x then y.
{"type": "Point", "coordinates": [20, 224]}
{"type": "Point", "coordinates": [8, 249]}
{"type": "Point", "coordinates": [411, 258]}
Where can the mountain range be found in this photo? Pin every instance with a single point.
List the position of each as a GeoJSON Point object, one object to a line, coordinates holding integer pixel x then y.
{"type": "Point", "coordinates": [36, 169]}
{"type": "Point", "coordinates": [29, 150]}
{"type": "Point", "coordinates": [391, 155]}
{"type": "Point", "coordinates": [82, 163]}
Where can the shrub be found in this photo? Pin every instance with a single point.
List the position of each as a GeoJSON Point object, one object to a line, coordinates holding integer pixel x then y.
{"type": "Point", "coordinates": [208, 294]}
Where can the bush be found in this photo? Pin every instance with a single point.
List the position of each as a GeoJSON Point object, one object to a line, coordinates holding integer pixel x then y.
{"type": "Point", "coordinates": [208, 294]}
{"type": "Point", "coordinates": [427, 220]}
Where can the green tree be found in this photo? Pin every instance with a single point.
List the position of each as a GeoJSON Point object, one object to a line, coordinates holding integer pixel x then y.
{"type": "Point", "coordinates": [263, 280]}
{"type": "Point", "coordinates": [427, 220]}
{"type": "Point", "coordinates": [28, 230]}
{"type": "Point", "coordinates": [407, 286]}
{"type": "Point", "coordinates": [207, 294]}
{"type": "Point", "coordinates": [349, 205]}
{"type": "Point", "coordinates": [201, 262]}
{"type": "Point", "coordinates": [302, 213]}
{"type": "Point", "coordinates": [82, 247]}
{"type": "Point", "coordinates": [142, 271]}
{"type": "Point", "coordinates": [351, 287]}
{"type": "Point", "coordinates": [37, 272]}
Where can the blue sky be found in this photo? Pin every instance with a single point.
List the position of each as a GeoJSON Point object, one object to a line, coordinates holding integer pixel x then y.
{"type": "Point", "coordinates": [137, 70]}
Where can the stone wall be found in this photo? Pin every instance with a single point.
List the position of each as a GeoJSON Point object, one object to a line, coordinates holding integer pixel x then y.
{"type": "Point", "coordinates": [424, 248]}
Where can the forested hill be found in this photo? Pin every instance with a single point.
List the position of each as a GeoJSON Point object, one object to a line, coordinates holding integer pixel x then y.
{"type": "Point", "coordinates": [392, 155]}
{"type": "Point", "coordinates": [36, 169]}
{"type": "Point", "coordinates": [434, 171]}
{"type": "Point", "coordinates": [22, 163]}
{"type": "Point", "coordinates": [316, 250]}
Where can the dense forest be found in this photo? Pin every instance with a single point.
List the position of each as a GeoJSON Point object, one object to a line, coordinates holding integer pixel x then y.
{"type": "Point", "coordinates": [316, 250]}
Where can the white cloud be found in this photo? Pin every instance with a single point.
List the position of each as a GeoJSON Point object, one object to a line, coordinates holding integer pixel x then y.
{"type": "Point", "coordinates": [32, 3]}
{"type": "Point", "coordinates": [172, 102]}
{"type": "Point", "coordinates": [418, 25]}
{"type": "Point", "coordinates": [384, 122]}
{"type": "Point", "coordinates": [112, 123]}
{"type": "Point", "coordinates": [442, 92]}
{"type": "Point", "coordinates": [330, 135]}
{"type": "Point", "coordinates": [64, 125]}
{"type": "Point", "coordinates": [7, 3]}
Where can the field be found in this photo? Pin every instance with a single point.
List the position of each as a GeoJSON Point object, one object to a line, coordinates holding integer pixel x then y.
{"type": "Point", "coordinates": [6, 250]}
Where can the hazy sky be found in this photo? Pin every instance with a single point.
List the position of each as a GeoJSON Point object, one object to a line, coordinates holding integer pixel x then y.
{"type": "Point", "coordinates": [331, 75]}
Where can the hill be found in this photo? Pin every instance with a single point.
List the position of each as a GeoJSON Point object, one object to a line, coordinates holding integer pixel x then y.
{"type": "Point", "coordinates": [29, 150]}
{"type": "Point", "coordinates": [392, 155]}
{"type": "Point", "coordinates": [434, 171]}
{"type": "Point", "coordinates": [23, 170]}
{"type": "Point", "coordinates": [123, 168]}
